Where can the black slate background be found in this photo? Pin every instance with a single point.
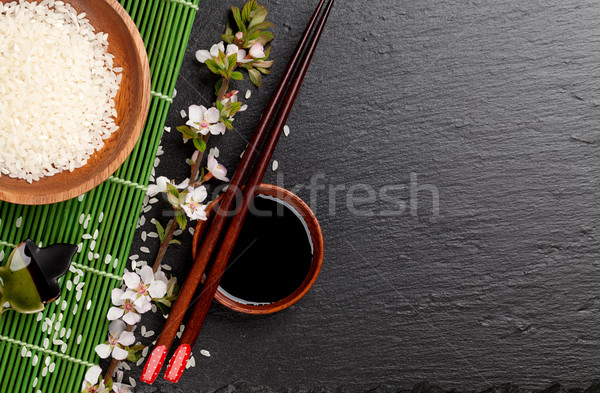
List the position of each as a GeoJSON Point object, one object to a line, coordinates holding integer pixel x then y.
{"type": "Point", "coordinates": [495, 105]}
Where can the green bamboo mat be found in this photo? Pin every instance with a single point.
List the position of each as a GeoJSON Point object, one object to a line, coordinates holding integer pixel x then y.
{"type": "Point", "coordinates": [51, 351]}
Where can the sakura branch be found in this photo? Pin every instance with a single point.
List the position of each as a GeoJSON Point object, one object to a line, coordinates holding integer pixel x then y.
{"type": "Point", "coordinates": [242, 49]}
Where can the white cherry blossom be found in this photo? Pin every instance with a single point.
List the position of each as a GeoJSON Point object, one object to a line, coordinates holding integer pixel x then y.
{"type": "Point", "coordinates": [206, 120]}
{"type": "Point", "coordinates": [217, 170]}
{"type": "Point", "coordinates": [118, 338]}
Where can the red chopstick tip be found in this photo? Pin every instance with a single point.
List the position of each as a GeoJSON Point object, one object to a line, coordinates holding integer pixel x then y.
{"type": "Point", "coordinates": [154, 364]}
{"type": "Point", "coordinates": [178, 363]}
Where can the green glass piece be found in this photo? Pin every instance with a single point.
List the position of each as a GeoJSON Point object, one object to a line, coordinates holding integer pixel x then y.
{"type": "Point", "coordinates": [17, 287]}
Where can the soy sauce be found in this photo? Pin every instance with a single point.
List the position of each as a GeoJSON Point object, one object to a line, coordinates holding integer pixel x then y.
{"type": "Point", "coordinates": [272, 256]}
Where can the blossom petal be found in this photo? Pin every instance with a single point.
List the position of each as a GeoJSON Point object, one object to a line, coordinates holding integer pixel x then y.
{"type": "Point", "coordinates": [199, 194]}
{"type": "Point", "coordinates": [196, 113]}
{"type": "Point", "coordinates": [116, 327]}
{"type": "Point", "coordinates": [114, 313]}
{"type": "Point", "coordinates": [200, 213]}
{"type": "Point", "coordinates": [161, 182]}
{"type": "Point", "coordinates": [160, 275]}
{"type": "Point", "coordinates": [216, 48]}
{"type": "Point", "coordinates": [161, 186]}
{"type": "Point", "coordinates": [212, 115]}
{"type": "Point", "coordinates": [147, 275]}
{"type": "Point", "coordinates": [183, 184]}
{"type": "Point", "coordinates": [92, 374]}
{"type": "Point", "coordinates": [218, 170]}
{"type": "Point", "coordinates": [132, 318]}
{"type": "Point", "coordinates": [153, 190]}
{"type": "Point", "coordinates": [257, 51]}
{"type": "Point", "coordinates": [132, 280]}
{"type": "Point", "coordinates": [203, 55]}
{"type": "Point", "coordinates": [157, 289]}
{"type": "Point", "coordinates": [231, 49]}
{"type": "Point", "coordinates": [242, 57]}
{"type": "Point", "coordinates": [142, 304]}
{"type": "Point", "coordinates": [126, 338]}
{"type": "Point", "coordinates": [117, 296]}
{"type": "Point", "coordinates": [218, 128]}
{"type": "Point", "coordinates": [121, 388]}
{"type": "Point", "coordinates": [119, 353]}
{"type": "Point", "coordinates": [103, 350]}
{"type": "Point", "coordinates": [131, 295]}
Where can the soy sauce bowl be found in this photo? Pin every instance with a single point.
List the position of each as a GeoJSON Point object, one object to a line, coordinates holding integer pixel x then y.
{"type": "Point", "coordinates": [313, 229]}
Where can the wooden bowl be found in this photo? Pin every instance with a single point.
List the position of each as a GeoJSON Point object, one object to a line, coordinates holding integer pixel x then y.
{"type": "Point", "coordinates": [317, 239]}
{"type": "Point", "coordinates": [132, 103]}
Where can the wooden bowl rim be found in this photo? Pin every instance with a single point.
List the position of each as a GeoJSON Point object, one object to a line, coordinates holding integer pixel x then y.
{"type": "Point", "coordinates": [318, 252]}
{"type": "Point", "coordinates": [97, 178]}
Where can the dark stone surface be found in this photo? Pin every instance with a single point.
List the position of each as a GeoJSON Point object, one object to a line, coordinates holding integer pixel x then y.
{"type": "Point", "coordinates": [492, 104]}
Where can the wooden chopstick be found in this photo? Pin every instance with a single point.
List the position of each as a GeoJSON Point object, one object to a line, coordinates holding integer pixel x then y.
{"type": "Point", "coordinates": [190, 334]}
{"type": "Point", "coordinates": [156, 359]}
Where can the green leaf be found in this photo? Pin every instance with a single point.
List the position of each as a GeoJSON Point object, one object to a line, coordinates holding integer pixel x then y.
{"type": "Point", "coordinates": [173, 200]}
{"type": "Point", "coordinates": [199, 144]}
{"type": "Point", "coordinates": [235, 107]}
{"type": "Point", "coordinates": [171, 189]}
{"type": "Point", "coordinates": [236, 75]}
{"type": "Point", "coordinates": [259, 17]}
{"type": "Point", "coordinates": [265, 37]}
{"type": "Point", "coordinates": [220, 106]}
{"type": "Point", "coordinates": [254, 36]}
{"type": "Point", "coordinates": [163, 309]}
{"type": "Point", "coordinates": [160, 230]}
{"type": "Point", "coordinates": [248, 8]}
{"type": "Point", "coordinates": [255, 77]}
{"type": "Point", "coordinates": [263, 63]}
{"type": "Point", "coordinates": [213, 66]}
{"type": "Point", "coordinates": [227, 123]}
{"type": "Point", "coordinates": [187, 132]}
{"type": "Point", "coordinates": [108, 386]}
{"type": "Point", "coordinates": [181, 219]}
{"type": "Point", "coordinates": [263, 70]}
{"type": "Point", "coordinates": [238, 19]}
{"type": "Point", "coordinates": [232, 61]}
{"type": "Point", "coordinates": [134, 353]}
{"type": "Point", "coordinates": [228, 30]}
{"type": "Point", "coordinates": [260, 26]}
{"type": "Point", "coordinates": [162, 300]}
{"type": "Point", "coordinates": [228, 38]}
{"type": "Point", "coordinates": [175, 241]}
{"type": "Point", "coordinates": [133, 357]}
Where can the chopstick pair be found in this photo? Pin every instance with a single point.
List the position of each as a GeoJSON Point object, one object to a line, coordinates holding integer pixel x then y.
{"type": "Point", "coordinates": [280, 104]}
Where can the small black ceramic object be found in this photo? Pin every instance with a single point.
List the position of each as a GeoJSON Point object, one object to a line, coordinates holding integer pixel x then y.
{"type": "Point", "coordinates": [29, 279]}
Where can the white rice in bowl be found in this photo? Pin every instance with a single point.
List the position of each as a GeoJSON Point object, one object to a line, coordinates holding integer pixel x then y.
{"type": "Point", "coordinates": [57, 89]}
